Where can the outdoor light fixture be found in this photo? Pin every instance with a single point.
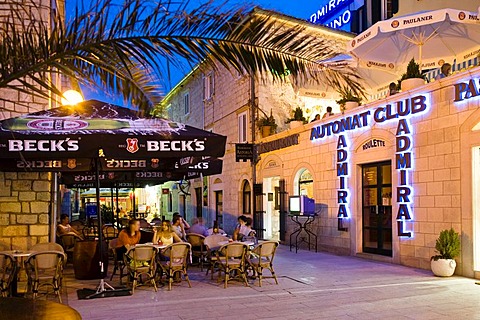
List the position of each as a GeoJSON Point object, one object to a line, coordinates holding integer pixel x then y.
{"type": "Point", "coordinates": [71, 98]}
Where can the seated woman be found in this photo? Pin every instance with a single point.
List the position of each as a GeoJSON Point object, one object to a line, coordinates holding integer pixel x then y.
{"type": "Point", "coordinates": [65, 228]}
{"type": "Point", "coordinates": [241, 229]}
{"type": "Point", "coordinates": [166, 235]}
{"type": "Point", "coordinates": [128, 237]}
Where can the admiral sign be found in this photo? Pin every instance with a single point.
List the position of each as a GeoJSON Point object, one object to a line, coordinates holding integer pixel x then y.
{"type": "Point", "coordinates": [334, 13]}
{"type": "Point", "coordinates": [400, 111]}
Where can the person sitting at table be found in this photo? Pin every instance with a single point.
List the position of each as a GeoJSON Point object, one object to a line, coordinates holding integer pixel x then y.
{"type": "Point", "coordinates": [392, 89]}
{"type": "Point", "coordinates": [177, 227]}
{"type": "Point", "coordinates": [65, 228]}
{"type": "Point", "coordinates": [241, 228]}
{"type": "Point", "coordinates": [444, 71]}
{"type": "Point", "coordinates": [198, 227]}
{"type": "Point", "coordinates": [129, 237]}
{"type": "Point", "coordinates": [328, 113]}
{"type": "Point", "coordinates": [184, 224]}
{"type": "Point", "coordinates": [215, 230]}
{"type": "Point", "coordinates": [166, 235]}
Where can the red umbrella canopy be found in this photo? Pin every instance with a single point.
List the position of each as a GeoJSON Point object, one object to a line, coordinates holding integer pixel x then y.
{"type": "Point", "coordinates": [94, 128]}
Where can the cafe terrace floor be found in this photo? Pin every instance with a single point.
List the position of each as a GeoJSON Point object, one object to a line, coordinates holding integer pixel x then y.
{"type": "Point", "coordinates": [312, 286]}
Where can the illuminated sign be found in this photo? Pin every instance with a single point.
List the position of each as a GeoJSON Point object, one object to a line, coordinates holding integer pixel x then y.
{"type": "Point", "coordinates": [403, 163]}
{"type": "Point", "coordinates": [342, 173]}
{"type": "Point", "coordinates": [334, 13]}
{"type": "Point", "coordinates": [467, 90]}
{"type": "Point", "coordinates": [373, 143]}
{"type": "Point", "coordinates": [401, 110]}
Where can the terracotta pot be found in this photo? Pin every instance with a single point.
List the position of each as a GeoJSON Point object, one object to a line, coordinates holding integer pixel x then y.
{"type": "Point", "coordinates": [412, 83]}
{"type": "Point", "coordinates": [295, 124]}
{"type": "Point", "coordinates": [266, 131]}
{"type": "Point", "coordinates": [443, 267]}
{"type": "Point", "coordinates": [349, 105]}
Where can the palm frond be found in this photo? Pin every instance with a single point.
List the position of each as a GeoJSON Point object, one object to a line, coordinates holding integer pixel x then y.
{"type": "Point", "coordinates": [120, 48]}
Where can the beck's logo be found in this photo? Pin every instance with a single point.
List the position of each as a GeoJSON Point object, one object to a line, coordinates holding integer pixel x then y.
{"type": "Point", "coordinates": [72, 163]}
{"type": "Point", "coordinates": [155, 163]}
{"type": "Point", "coordinates": [132, 145]}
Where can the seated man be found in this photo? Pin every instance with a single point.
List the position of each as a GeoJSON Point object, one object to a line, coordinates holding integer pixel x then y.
{"type": "Point", "coordinates": [64, 227]}
{"type": "Point", "coordinates": [198, 227]}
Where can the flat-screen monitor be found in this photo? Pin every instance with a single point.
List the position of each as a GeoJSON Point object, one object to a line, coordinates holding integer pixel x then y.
{"type": "Point", "coordinates": [302, 205]}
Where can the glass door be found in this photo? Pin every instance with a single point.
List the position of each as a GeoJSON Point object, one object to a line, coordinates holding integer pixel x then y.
{"type": "Point", "coordinates": [377, 208]}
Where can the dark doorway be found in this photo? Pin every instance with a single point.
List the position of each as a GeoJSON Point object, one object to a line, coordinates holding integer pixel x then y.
{"type": "Point", "coordinates": [258, 211]}
{"type": "Point", "coordinates": [377, 208]}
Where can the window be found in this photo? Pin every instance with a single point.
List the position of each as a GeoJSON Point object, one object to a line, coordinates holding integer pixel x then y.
{"type": "Point", "coordinates": [219, 208]}
{"type": "Point", "coordinates": [208, 86]}
{"type": "Point", "coordinates": [303, 183]}
{"type": "Point", "coordinates": [186, 103]}
{"type": "Point", "coordinates": [242, 127]}
{"type": "Point", "coordinates": [246, 197]}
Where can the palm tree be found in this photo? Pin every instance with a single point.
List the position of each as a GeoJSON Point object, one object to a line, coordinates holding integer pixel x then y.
{"type": "Point", "coordinates": [122, 48]}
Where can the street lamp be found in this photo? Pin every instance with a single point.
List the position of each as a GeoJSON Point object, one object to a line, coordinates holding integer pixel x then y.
{"type": "Point", "coordinates": [71, 98]}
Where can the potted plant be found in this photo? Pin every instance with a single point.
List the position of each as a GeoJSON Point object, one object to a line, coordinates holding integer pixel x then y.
{"type": "Point", "coordinates": [297, 120]}
{"type": "Point", "coordinates": [348, 99]}
{"type": "Point", "coordinates": [413, 78]}
{"type": "Point", "coordinates": [448, 247]}
{"type": "Point", "coordinates": [267, 125]}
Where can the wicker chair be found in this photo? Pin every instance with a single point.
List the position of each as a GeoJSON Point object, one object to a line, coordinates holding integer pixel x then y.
{"type": "Point", "coordinates": [109, 232]}
{"type": "Point", "coordinates": [212, 244]}
{"type": "Point", "coordinates": [8, 270]}
{"type": "Point", "coordinates": [68, 243]}
{"type": "Point", "coordinates": [118, 263]}
{"type": "Point", "coordinates": [177, 259]}
{"type": "Point", "coordinates": [45, 269]}
{"type": "Point", "coordinates": [198, 247]}
{"type": "Point", "coordinates": [141, 260]}
{"type": "Point", "coordinates": [47, 246]}
{"type": "Point", "coordinates": [262, 258]}
{"type": "Point", "coordinates": [232, 257]}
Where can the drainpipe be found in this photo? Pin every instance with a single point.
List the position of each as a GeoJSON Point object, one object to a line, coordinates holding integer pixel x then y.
{"type": "Point", "coordinates": [253, 117]}
{"type": "Point", "coordinates": [54, 207]}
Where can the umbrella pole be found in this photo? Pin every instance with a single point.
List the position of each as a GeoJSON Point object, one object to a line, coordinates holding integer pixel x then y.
{"type": "Point", "coordinates": [111, 199]}
{"type": "Point", "coordinates": [118, 208]}
{"type": "Point", "coordinates": [133, 198]}
{"type": "Point", "coordinates": [102, 286]}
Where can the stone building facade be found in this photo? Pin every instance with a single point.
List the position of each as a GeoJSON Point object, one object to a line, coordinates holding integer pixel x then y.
{"type": "Point", "coordinates": [429, 160]}
{"type": "Point", "coordinates": [25, 197]}
{"type": "Point", "coordinates": [217, 99]}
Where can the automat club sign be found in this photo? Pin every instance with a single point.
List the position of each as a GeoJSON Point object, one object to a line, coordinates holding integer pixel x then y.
{"type": "Point", "coordinates": [400, 111]}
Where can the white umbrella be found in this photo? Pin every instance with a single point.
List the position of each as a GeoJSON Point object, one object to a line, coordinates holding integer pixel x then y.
{"type": "Point", "coordinates": [432, 38]}
{"type": "Point", "coordinates": [374, 77]}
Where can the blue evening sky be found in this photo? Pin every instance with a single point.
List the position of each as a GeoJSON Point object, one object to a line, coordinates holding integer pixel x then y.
{"type": "Point", "coordinates": [301, 9]}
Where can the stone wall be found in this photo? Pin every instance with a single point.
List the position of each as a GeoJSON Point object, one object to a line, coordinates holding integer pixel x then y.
{"type": "Point", "coordinates": [25, 196]}
{"type": "Point", "coordinates": [24, 209]}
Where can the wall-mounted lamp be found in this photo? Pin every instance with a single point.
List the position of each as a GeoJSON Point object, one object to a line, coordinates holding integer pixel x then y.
{"type": "Point", "coordinates": [71, 98]}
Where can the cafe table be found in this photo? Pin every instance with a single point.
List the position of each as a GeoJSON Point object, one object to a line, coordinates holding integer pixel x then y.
{"type": "Point", "coordinates": [29, 309]}
{"type": "Point", "coordinates": [19, 256]}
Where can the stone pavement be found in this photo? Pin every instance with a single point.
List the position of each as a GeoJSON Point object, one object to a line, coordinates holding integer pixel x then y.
{"type": "Point", "coordinates": [312, 286]}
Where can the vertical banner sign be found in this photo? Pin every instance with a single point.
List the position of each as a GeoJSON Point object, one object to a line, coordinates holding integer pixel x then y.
{"type": "Point", "coordinates": [402, 110]}
{"type": "Point", "coordinates": [342, 173]}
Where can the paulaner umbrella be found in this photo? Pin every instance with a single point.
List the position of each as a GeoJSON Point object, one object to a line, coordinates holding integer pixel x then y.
{"type": "Point", "coordinates": [432, 38]}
